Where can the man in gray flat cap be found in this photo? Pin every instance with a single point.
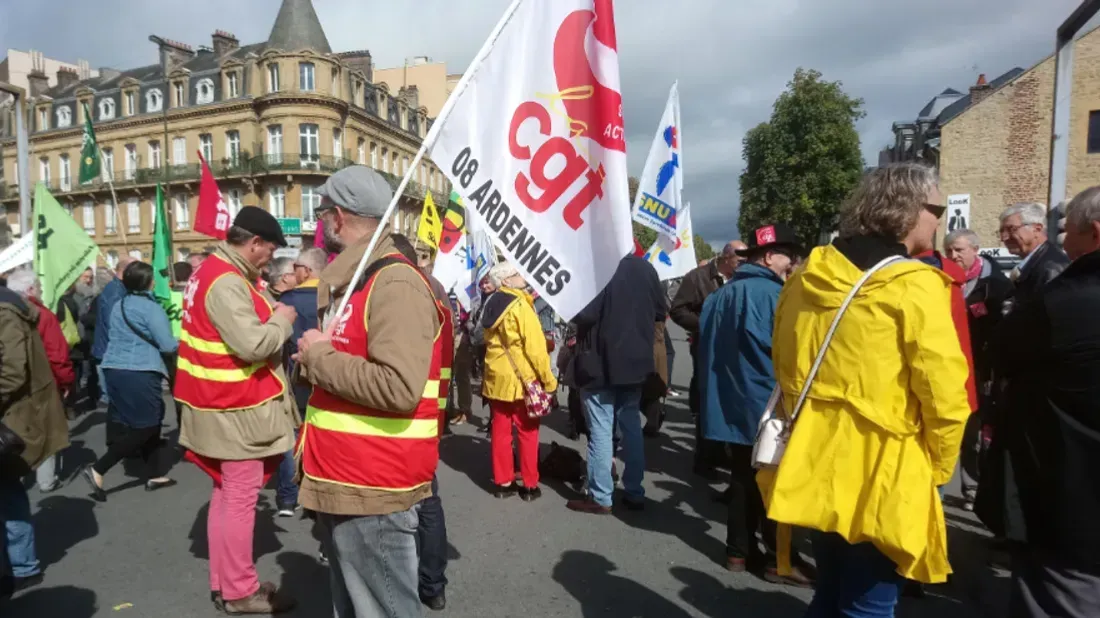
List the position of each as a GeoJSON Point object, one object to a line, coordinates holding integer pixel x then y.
{"type": "Point", "coordinates": [370, 444]}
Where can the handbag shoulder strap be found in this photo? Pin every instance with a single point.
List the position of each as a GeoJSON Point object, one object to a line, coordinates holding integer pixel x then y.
{"type": "Point", "coordinates": [143, 336]}
{"type": "Point", "coordinates": [832, 330]}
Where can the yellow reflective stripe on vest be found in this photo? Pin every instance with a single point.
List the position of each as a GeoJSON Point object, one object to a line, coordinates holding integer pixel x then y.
{"type": "Point", "coordinates": [217, 375]}
{"type": "Point", "coordinates": [202, 345]}
{"type": "Point", "coordinates": [411, 428]}
{"type": "Point", "coordinates": [445, 373]}
{"type": "Point", "coordinates": [431, 389]}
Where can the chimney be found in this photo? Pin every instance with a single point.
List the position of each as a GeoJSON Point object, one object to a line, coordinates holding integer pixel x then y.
{"type": "Point", "coordinates": [38, 82]}
{"type": "Point", "coordinates": [980, 90]}
{"type": "Point", "coordinates": [224, 42]}
{"type": "Point", "coordinates": [359, 61]}
{"type": "Point", "coordinates": [411, 96]}
{"type": "Point", "coordinates": [66, 77]}
{"type": "Point", "coordinates": [173, 54]}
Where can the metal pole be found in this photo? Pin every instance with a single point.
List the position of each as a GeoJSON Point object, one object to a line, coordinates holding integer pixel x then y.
{"type": "Point", "coordinates": [22, 156]}
{"type": "Point", "coordinates": [1063, 94]}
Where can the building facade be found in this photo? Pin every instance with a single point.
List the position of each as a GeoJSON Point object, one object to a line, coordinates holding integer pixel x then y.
{"type": "Point", "coordinates": [997, 151]}
{"type": "Point", "coordinates": [273, 119]}
{"type": "Point", "coordinates": [431, 80]}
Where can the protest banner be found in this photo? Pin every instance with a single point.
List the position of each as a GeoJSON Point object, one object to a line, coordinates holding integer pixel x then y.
{"type": "Point", "coordinates": [658, 200]}
{"type": "Point", "coordinates": [535, 144]}
{"type": "Point", "coordinates": [674, 256]}
{"type": "Point", "coordinates": [62, 249]}
{"type": "Point", "coordinates": [211, 215]}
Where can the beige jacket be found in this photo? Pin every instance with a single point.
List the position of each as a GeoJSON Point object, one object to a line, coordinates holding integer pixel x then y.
{"type": "Point", "coordinates": [402, 322]}
{"type": "Point", "coordinates": [254, 433]}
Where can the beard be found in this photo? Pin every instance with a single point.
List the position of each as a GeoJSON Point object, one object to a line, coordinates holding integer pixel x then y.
{"type": "Point", "coordinates": [333, 244]}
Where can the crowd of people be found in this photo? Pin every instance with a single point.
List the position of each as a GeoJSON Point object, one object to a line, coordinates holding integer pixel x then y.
{"type": "Point", "coordinates": [890, 362]}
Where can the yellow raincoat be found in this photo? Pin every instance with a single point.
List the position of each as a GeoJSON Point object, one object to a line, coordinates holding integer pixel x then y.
{"type": "Point", "coordinates": [882, 425]}
{"type": "Point", "coordinates": [518, 328]}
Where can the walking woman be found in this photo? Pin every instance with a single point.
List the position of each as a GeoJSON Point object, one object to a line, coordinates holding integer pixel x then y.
{"type": "Point", "coordinates": [515, 355]}
{"type": "Point", "coordinates": [134, 371]}
{"type": "Point", "coordinates": [881, 426]}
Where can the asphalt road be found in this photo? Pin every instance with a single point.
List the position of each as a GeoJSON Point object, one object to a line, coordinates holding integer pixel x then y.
{"type": "Point", "coordinates": [144, 555]}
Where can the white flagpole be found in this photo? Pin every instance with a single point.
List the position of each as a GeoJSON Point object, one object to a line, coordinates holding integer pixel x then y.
{"type": "Point", "coordinates": [114, 198]}
{"type": "Point", "coordinates": [425, 146]}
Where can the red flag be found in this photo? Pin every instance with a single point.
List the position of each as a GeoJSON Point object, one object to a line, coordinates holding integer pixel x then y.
{"type": "Point", "coordinates": [212, 215]}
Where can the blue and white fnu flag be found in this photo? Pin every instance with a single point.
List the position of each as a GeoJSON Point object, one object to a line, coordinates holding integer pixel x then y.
{"type": "Point", "coordinates": [658, 200]}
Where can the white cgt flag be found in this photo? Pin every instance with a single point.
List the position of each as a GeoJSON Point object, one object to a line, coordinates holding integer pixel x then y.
{"type": "Point", "coordinates": [657, 204]}
{"type": "Point", "coordinates": [674, 256]}
{"type": "Point", "coordinates": [535, 144]}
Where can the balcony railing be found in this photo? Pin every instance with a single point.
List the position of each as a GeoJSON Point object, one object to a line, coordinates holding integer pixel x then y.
{"type": "Point", "coordinates": [288, 161]}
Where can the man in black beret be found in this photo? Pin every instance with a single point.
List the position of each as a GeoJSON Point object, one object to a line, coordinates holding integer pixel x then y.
{"type": "Point", "coordinates": [238, 419]}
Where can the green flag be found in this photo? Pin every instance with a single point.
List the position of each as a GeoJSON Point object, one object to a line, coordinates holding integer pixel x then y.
{"type": "Point", "coordinates": [162, 253]}
{"type": "Point", "coordinates": [89, 152]}
{"type": "Point", "coordinates": [62, 250]}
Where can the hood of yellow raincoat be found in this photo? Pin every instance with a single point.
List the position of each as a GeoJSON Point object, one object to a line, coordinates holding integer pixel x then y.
{"type": "Point", "coordinates": [883, 421]}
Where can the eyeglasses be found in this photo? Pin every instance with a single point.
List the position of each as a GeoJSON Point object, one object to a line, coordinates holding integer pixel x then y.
{"type": "Point", "coordinates": [936, 210]}
{"type": "Point", "coordinates": [1012, 229]}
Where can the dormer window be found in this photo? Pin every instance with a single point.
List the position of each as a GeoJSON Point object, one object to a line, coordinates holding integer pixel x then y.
{"type": "Point", "coordinates": [64, 117]}
{"type": "Point", "coordinates": [106, 109]}
{"type": "Point", "coordinates": [234, 86]}
{"type": "Point", "coordinates": [130, 108]}
{"type": "Point", "coordinates": [181, 94]}
{"type": "Point", "coordinates": [154, 101]}
{"type": "Point", "coordinates": [204, 92]}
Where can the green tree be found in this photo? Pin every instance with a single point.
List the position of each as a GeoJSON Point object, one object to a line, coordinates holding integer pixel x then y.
{"type": "Point", "coordinates": [803, 162]}
{"type": "Point", "coordinates": [703, 250]}
{"type": "Point", "coordinates": [642, 234]}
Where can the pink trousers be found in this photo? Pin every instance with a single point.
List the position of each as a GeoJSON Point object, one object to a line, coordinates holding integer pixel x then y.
{"type": "Point", "coordinates": [229, 528]}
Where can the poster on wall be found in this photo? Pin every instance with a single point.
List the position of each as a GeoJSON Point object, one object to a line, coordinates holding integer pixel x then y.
{"type": "Point", "coordinates": [958, 212]}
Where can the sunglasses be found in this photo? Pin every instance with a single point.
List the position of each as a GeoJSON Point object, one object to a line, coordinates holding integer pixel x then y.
{"type": "Point", "coordinates": [936, 210]}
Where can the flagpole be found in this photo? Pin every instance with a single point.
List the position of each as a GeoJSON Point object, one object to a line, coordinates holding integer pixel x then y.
{"type": "Point", "coordinates": [114, 198]}
{"type": "Point", "coordinates": [426, 145]}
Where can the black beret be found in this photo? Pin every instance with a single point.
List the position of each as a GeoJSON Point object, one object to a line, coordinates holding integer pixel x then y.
{"type": "Point", "coordinates": [261, 223]}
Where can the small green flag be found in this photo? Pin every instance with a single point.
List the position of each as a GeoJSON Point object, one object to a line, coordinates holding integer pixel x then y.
{"type": "Point", "coordinates": [89, 152]}
{"type": "Point", "coordinates": [162, 263]}
{"type": "Point", "coordinates": [62, 250]}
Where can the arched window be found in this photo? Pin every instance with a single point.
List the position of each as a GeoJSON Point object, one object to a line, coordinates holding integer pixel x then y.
{"type": "Point", "coordinates": [204, 91]}
{"type": "Point", "coordinates": [64, 117]}
{"type": "Point", "coordinates": [106, 109]}
{"type": "Point", "coordinates": [154, 100]}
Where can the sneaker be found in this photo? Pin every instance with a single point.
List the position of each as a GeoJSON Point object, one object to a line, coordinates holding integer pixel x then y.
{"type": "Point", "coordinates": [266, 600]}
{"type": "Point", "coordinates": [286, 510]}
{"type": "Point", "coordinates": [530, 495]}
{"type": "Point", "coordinates": [735, 565]}
{"type": "Point", "coordinates": [321, 557]}
{"type": "Point", "coordinates": [588, 505]}
{"type": "Point", "coordinates": [505, 491]}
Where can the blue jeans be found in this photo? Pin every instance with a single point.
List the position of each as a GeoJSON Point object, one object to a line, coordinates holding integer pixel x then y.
{"type": "Point", "coordinates": [372, 564]}
{"type": "Point", "coordinates": [602, 407]}
{"type": "Point", "coordinates": [432, 533]}
{"type": "Point", "coordinates": [19, 529]}
{"type": "Point", "coordinates": [853, 581]}
{"type": "Point", "coordinates": [286, 490]}
{"type": "Point", "coordinates": [102, 384]}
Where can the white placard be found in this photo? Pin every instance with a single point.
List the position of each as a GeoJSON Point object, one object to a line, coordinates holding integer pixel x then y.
{"type": "Point", "coordinates": [958, 212]}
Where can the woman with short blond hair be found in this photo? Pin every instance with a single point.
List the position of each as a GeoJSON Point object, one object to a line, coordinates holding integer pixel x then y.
{"type": "Point", "coordinates": [882, 422]}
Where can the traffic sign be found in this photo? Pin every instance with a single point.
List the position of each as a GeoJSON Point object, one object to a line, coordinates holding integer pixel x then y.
{"type": "Point", "coordinates": [291, 226]}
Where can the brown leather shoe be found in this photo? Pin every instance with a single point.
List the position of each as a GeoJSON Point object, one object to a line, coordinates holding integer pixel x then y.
{"type": "Point", "coordinates": [797, 578]}
{"type": "Point", "coordinates": [588, 505]}
{"type": "Point", "coordinates": [266, 600]}
{"type": "Point", "coordinates": [735, 565]}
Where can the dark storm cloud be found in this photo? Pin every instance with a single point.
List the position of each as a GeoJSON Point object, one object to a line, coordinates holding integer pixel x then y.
{"type": "Point", "coordinates": [731, 58]}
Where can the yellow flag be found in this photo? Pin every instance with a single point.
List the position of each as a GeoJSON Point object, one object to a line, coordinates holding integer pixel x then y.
{"type": "Point", "coordinates": [430, 224]}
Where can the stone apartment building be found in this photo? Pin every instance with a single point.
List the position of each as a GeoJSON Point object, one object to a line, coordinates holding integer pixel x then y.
{"type": "Point", "coordinates": [997, 150]}
{"type": "Point", "coordinates": [273, 119]}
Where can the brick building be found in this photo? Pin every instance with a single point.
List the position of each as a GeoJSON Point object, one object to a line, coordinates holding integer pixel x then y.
{"type": "Point", "coordinates": [997, 150]}
{"type": "Point", "coordinates": [274, 119]}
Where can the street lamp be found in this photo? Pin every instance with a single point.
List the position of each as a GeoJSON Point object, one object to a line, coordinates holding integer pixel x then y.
{"type": "Point", "coordinates": [21, 155]}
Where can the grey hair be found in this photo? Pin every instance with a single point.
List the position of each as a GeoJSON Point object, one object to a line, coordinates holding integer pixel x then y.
{"type": "Point", "coordinates": [888, 201]}
{"type": "Point", "coordinates": [1084, 209]}
{"type": "Point", "coordinates": [314, 259]}
{"type": "Point", "coordinates": [500, 272]}
{"type": "Point", "coordinates": [22, 281]}
{"type": "Point", "coordinates": [281, 266]}
{"type": "Point", "coordinates": [970, 236]}
{"type": "Point", "coordinates": [1031, 213]}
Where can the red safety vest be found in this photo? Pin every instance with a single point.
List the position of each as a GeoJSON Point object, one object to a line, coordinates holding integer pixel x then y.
{"type": "Point", "coordinates": [349, 444]}
{"type": "Point", "coordinates": [209, 375]}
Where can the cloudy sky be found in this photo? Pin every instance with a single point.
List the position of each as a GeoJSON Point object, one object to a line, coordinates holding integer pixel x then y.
{"type": "Point", "coordinates": [732, 58]}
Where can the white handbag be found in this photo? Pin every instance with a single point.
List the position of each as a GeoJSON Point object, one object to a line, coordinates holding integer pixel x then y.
{"type": "Point", "coordinates": [776, 425]}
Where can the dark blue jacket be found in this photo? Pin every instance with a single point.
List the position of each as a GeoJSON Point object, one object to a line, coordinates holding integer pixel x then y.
{"type": "Point", "coordinates": [304, 300]}
{"type": "Point", "coordinates": [735, 354]}
{"type": "Point", "coordinates": [108, 298]}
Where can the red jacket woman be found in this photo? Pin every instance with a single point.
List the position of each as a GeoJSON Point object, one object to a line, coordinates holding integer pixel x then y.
{"type": "Point", "coordinates": [958, 314]}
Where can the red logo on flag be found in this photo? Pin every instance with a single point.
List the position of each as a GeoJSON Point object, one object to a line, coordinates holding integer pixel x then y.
{"type": "Point", "coordinates": [212, 215]}
{"type": "Point", "coordinates": [595, 111]}
{"type": "Point", "coordinates": [765, 235]}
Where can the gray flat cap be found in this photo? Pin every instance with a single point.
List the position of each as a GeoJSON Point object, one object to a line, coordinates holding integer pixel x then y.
{"type": "Point", "coordinates": [357, 189]}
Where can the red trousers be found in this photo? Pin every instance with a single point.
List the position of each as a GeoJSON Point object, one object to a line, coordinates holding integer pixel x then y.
{"type": "Point", "coordinates": [505, 414]}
